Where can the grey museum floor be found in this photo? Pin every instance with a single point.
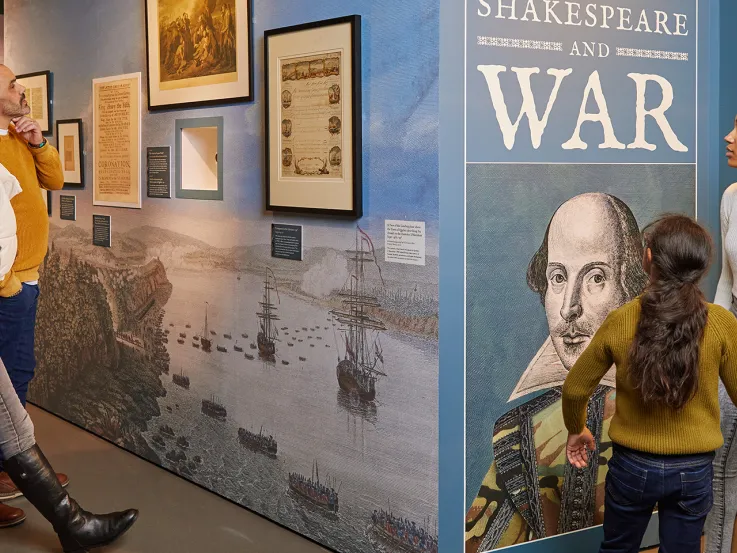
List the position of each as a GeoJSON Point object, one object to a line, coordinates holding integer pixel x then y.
{"type": "Point", "coordinates": [176, 517]}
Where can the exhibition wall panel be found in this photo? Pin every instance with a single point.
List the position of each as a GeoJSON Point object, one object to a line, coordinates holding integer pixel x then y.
{"type": "Point", "coordinates": [548, 174]}
{"type": "Point", "coordinates": [162, 342]}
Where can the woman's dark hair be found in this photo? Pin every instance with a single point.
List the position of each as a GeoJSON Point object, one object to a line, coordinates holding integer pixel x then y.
{"type": "Point", "coordinates": [664, 356]}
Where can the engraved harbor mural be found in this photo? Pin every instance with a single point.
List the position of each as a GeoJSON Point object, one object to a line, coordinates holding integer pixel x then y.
{"type": "Point", "coordinates": [304, 391]}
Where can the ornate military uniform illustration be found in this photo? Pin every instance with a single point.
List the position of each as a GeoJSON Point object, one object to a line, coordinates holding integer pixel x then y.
{"type": "Point", "coordinates": [530, 490]}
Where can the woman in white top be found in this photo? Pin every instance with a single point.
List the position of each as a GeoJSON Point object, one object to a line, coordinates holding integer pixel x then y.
{"type": "Point", "coordinates": [721, 522]}
{"type": "Point", "coordinates": [25, 463]}
{"type": "Point", "coordinates": [9, 188]}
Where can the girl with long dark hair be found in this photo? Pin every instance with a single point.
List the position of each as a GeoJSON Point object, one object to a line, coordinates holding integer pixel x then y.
{"type": "Point", "coordinates": [670, 348]}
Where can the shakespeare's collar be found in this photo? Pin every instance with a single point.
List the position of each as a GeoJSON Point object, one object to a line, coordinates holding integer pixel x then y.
{"type": "Point", "coordinates": [546, 371]}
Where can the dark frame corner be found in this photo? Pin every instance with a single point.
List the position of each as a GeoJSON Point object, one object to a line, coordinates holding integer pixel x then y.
{"type": "Point", "coordinates": [356, 116]}
{"type": "Point", "coordinates": [80, 124]}
{"type": "Point", "coordinates": [49, 95]}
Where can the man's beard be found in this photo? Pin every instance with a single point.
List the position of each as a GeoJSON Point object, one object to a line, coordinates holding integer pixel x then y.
{"type": "Point", "coordinates": [570, 340]}
{"type": "Point", "coordinates": [11, 109]}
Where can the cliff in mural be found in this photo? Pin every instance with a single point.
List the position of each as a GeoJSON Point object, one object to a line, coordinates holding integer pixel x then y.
{"type": "Point", "coordinates": [100, 343]}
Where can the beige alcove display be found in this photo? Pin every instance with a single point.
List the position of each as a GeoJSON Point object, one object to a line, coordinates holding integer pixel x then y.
{"type": "Point", "coordinates": [199, 158]}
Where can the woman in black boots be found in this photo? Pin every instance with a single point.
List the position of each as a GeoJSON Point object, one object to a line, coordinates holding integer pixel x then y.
{"type": "Point", "coordinates": [78, 530]}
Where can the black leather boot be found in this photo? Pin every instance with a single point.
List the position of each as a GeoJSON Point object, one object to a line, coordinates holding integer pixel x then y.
{"type": "Point", "coordinates": [77, 529]}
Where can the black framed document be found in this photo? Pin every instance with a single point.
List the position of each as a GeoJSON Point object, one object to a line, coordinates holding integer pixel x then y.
{"type": "Point", "coordinates": [38, 96]}
{"type": "Point", "coordinates": [69, 142]}
{"type": "Point", "coordinates": [313, 118]}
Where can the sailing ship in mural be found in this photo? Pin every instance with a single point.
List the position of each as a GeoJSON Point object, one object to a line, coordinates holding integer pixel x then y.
{"type": "Point", "coordinates": [260, 443]}
{"type": "Point", "coordinates": [267, 333]}
{"type": "Point", "coordinates": [324, 497]}
{"type": "Point", "coordinates": [205, 339]}
{"type": "Point", "coordinates": [358, 370]}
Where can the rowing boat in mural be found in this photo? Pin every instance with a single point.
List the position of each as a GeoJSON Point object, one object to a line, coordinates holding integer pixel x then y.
{"type": "Point", "coordinates": [401, 534]}
{"type": "Point", "coordinates": [213, 408]}
{"type": "Point", "coordinates": [358, 371]}
{"type": "Point", "coordinates": [323, 497]}
{"type": "Point", "coordinates": [260, 443]}
{"type": "Point", "coordinates": [167, 430]}
{"type": "Point", "coordinates": [181, 380]}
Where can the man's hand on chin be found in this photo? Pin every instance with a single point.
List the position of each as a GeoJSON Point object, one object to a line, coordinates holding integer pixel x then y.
{"type": "Point", "coordinates": [29, 130]}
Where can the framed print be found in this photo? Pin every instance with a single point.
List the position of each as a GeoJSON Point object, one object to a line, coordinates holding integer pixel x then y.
{"type": "Point", "coordinates": [38, 96]}
{"type": "Point", "coordinates": [199, 158]}
{"type": "Point", "coordinates": [116, 151]}
{"type": "Point", "coordinates": [199, 52]}
{"type": "Point", "coordinates": [313, 118]}
{"type": "Point", "coordinates": [70, 145]}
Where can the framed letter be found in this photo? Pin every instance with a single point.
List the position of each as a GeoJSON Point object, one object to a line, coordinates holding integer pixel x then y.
{"type": "Point", "coordinates": [313, 118]}
{"type": "Point", "coordinates": [199, 52]}
{"type": "Point", "coordinates": [116, 153]}
{"type": "Point", "coordinates": [69, 143]}
{"type": "Point", "coordinates": [38, 96]}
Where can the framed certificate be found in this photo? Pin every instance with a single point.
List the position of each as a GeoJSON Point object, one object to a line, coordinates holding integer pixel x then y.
{"type": "Point", "coordinates": [313, 118]}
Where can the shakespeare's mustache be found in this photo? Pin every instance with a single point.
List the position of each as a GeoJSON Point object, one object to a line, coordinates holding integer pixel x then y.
{"type": "Point", "coordinates": [573, 329]}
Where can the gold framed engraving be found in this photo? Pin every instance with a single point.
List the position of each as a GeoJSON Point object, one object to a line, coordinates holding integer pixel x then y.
{"type": "Point", "coordinates": [313, 118]}
{"type": "Point", "coordinates": [116, 152]}
{"type": "Point", "coordinates": [199, 52]}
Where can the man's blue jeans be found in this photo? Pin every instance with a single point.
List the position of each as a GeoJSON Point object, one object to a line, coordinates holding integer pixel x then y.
{"type": "Point", "coordinates": [17, 336]}
{"type": "Point", "coordinates": [681, 487]}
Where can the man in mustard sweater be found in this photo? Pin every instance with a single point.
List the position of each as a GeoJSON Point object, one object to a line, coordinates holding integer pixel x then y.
{"type": "Point", "coordinates": [26, 154]}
